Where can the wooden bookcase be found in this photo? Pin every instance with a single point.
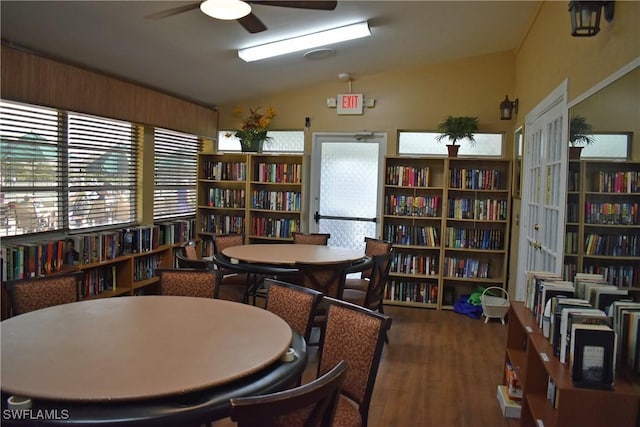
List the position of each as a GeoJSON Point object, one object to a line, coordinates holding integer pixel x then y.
{"type": "Point", "coordinates": [530, 352]}
{"type": "Point", "coordinates": [448, 219]}
{"type": "Point", "coordinates": [260, 195]}
{"type": "Point", "coordinates": [603, 222]}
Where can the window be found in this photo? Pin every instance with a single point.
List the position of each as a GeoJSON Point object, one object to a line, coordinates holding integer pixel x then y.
{"type": "Point", "coordinates": [64, 171]}
{"type": "Point", "coordinates": [425, 143]}
{"type": "Point", "coordinates": [608, 146]}
{"type": "Point", "coordinates": [31, 178]}
{"type": "Point", "coordinates": [176, 157]}
{"type": "Point", "coordinates": [281, 142]}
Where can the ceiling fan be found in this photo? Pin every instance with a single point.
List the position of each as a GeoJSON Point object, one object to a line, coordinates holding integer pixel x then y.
{"type": "Point", "coordinates": [249, 21]}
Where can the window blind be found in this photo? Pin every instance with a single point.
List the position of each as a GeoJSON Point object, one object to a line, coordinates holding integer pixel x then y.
{"type": "Point", "coordinates": [102, 171]}
{"type": "Point", "coordinates": [176, 158]}
{"type": "Point", "coordinates": [31, 177]}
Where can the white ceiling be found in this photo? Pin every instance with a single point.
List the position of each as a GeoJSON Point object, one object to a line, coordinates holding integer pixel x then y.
{"type": "Point", "coordinates": [195, 57]}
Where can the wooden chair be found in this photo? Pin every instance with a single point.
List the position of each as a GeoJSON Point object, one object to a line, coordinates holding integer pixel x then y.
{"type": "Point", "coordinates": [33, 294]}
{"type": "Point", "coordinates": [372, 247]}
{"type": "Point", "coordinates": [295, 304]}
{"type": "Point", "coordinates": [311, 404]}
{"type": "Point", "coordinates": [326, 278]}
{"type": "Point", "coordinates": [232, 281]}
{"type": "Point", "coordinates": [372, 297]}
{"type": "Point", "coordinates": [311, 238]}
{"type": "Point", "coordinates": [356, 335]}
{"type": "Point", "coordinates": [188, 282]}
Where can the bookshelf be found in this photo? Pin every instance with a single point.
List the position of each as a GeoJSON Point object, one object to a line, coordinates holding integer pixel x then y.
{"type": "Point", "coordinates": [603, 221]}
{"type": "Point", "coordinates": [448, 220]}
{"type": "Point", "coordinates": [532, 353]}
{"type": "Point", "coordinates": [260, 195]}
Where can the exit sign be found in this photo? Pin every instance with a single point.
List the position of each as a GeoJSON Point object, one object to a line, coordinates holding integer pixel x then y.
{"type": "Point", "coordinates": [350, 103]}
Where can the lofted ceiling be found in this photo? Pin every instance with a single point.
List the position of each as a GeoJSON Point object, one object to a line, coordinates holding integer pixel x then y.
{"type": "Point", "coordinates": [193, 56]}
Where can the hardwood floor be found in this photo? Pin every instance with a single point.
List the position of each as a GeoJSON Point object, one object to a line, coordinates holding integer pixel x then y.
{"type": "Point", "coordinates": [440, 369]}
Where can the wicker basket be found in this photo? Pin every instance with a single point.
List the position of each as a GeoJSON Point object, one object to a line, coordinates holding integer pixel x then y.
{"type": "Point", "coordinates": [494, 307]}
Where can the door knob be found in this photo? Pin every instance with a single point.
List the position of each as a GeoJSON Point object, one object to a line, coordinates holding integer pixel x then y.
{"type": "Point", "coordinates": [536, 227]}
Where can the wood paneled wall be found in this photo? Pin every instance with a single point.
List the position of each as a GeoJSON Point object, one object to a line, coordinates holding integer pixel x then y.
{"type": "Point", "coordinates": [37, 80]}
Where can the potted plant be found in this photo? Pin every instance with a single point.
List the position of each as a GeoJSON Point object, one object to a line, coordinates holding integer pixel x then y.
{"type": "Point", "coordinates": [457, 128]}
{"type": "Point", "coordinates": [253, 131]}
{"type": "Point", "coordinates": [580, 133]}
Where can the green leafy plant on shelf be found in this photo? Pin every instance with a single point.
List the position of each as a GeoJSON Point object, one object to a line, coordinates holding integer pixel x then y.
{"type": "Point", "coordinates": [456, 128]}
{"type": "Point", "coordinates": [580, 132]}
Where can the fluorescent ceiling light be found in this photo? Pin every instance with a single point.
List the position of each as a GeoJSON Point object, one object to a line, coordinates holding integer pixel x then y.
{"type": "Point", "coordinates": [309, 41]}
{"type": "Point", "coordinates": [225, 9]}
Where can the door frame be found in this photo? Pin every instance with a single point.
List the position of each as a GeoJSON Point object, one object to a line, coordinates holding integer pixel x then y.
{"type": "Point", "coordinates": [317, 139]}
{"type": "Point", "coordinates": [557, 98]}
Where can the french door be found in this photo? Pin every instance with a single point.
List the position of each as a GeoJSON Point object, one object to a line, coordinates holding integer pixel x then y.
{"type": "Point", "coordinates": [346, 186]}
{"type": "Point", "coordinates": [544, 189]}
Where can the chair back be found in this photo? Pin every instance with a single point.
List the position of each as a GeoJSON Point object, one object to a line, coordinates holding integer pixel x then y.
{"type": "Point", "coordinates": [223, 241]}
{"type": "Point", "coordinates": [326, 278]}
{"type": "Point", "coordinates": [186, 262]}
{"type": "Point", "coordinates": [188, 282]}
{"type": "Point", "coordinates": [373, 247]}
{"type": "Point", "coordinates": [356, 335]}
{"type": "Point", "coordinates": [379, 274]}
{"type": "Point", "coordinates": [295, 304]}
{"type": "Point", "coordinates": [309, 405]}
{"type": "Point", "coordinates": [190, 250]}
{"type": "Point", "coordinates": [311, 238]}
{"type": "Point", "coordinates": [42, 292]}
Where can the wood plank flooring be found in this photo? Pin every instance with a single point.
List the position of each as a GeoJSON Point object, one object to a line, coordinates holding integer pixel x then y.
{"type": "Point", "coordinates": [439, 369]}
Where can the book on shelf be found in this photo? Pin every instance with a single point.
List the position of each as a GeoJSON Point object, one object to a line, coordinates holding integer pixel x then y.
{"type": "Point", "coordinates": [558, 305]}
{"type": "Point", "coordinates": [510, 408]}
{"type": "Point", "coordinates": [571, 316]}
{"type": "Point", "coordinates": [604, 296]}
{"type": "Point", "coordinates": [548, 289]}
{"type": "Point", "coordinates": [592, 356]}
{"type": "Point", "coordinates": [631, 330]}
{"type": "Point", "coordinates": [533, 278]}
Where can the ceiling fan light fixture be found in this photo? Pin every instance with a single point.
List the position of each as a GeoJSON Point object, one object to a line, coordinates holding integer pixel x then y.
{"type": "Point", "coordinates": [225, 9]}
{"type": "Point", "coordinates": [305, 42]}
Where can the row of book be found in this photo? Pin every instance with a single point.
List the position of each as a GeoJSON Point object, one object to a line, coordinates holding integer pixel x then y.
{"type": "Point", "coordinates": [466, 267]}
{"type": "Point", "coordinates": [27, 260]}
{"type": "Point", "coordinates": [423, 206]}
{"type": "Point", "coordinates": [474, 238]}
{"type": "Point", "coordinates": [274, 227]}
{"type": "Point", "coordinates": [623, 213]}
{"type": "Point", "coordinates": [408, 176]}
{"type": "Point", "coordinates": [289, 201]}
{"type": "Point", "coordinates": [413, 235]}
{"type": "Point", "coordinates": [573, 213]}
{"type": "Point", "coordinates": [488, 210]}
{"type": "Point", "coordinates": [571, 245]}
{"type": "Point", "coordinates": [289, 173]}
{"type": "Point", "coordinates": [411, 263]}
{"type": "Point", "coordinates": [145, 267]}
{"type": "Point", "coordinates": [590, 325]}
{"type": "Point", "coordinates": [476, 179]}
{"type": "Point", "coordinates": [222, 224]}
{"type": "Point", "coordinates": [612, 244]}
{"type": "Point", "coordinates": [225, 171]}
{"type": "Point", "coordinates": [622, 275]}
{"type": "Point", "coordinates": [617, 182]}
{"type": "Point", "coordinates": [409, 291]}
{"type": "Point", "coordinates": [226, 198]}
{"type": "Point", "coordinates": [98, 280]}
{"type": "Point", "coordinates": [573, 180]}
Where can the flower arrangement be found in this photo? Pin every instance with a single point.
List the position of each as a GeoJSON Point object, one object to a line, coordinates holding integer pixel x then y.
{"type": "Point", "coordinates": [253, 131]}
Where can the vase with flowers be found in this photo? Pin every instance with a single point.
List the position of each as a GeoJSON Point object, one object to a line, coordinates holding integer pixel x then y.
{"type": "Point", "coordinates": [253, 131]}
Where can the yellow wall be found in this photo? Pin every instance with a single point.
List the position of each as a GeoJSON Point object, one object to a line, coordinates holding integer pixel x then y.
{"type": "Point", "coordinates": [407, 99]}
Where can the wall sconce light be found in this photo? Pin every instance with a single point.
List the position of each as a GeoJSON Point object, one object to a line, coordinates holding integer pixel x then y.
{"type": "Point", "coordinates": [507, 107]}
{"type": "Point", "coordinates": [585, 16]}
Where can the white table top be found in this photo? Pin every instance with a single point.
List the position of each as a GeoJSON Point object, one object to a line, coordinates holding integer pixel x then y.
{"type": "Point", "coordinates": [289, 253]}
{"type": "Point", "coordinates": [129, 348]}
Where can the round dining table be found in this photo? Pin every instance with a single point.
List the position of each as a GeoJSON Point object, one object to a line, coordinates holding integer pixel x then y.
{"type": "Point", "coordinates": [287, 254]}
{"type": "Point", "coordinates": [144, 360]}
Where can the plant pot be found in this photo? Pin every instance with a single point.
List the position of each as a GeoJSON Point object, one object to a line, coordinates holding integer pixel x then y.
{"type": "Point", "coordinates": [574, 152]}
{"type": "Point", "coordinates": [251, 146]}
{"type": "Point", "coordinates": [453, 150]}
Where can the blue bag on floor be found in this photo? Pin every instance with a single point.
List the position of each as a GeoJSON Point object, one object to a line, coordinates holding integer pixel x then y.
{"type": "Point", "coordinates": [463, 306]}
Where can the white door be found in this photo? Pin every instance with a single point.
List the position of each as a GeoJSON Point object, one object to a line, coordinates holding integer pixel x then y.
{"type": "Point", "coordinates": [346, 186]}
{"type": "Point", "coordinates": [544, 189]}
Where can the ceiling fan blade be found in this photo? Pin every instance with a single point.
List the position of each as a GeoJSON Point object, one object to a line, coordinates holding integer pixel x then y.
{"type": "Point", "coordinates": [314, 5]}
{"type": "Point", "coordinates": [174, 11]}
{"type": "Point", "coordinates": [252, 23]}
